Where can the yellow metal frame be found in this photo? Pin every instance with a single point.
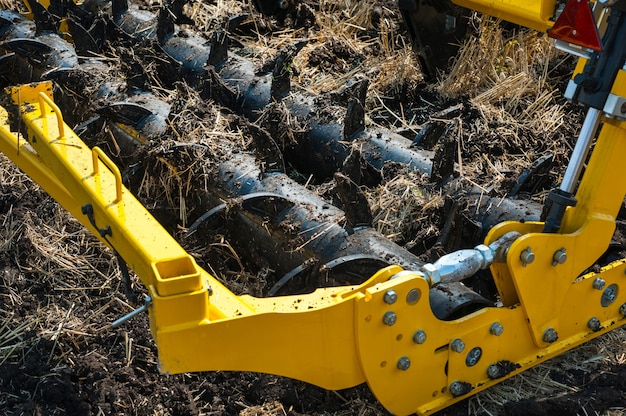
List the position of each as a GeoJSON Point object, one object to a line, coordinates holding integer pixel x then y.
{"type": "Point", "coordinates": [336, 337]}
{"type": "Point", "coordinates": [534, 14]}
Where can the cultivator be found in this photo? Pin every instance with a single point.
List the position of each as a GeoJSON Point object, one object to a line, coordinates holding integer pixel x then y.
{"type": "Point", "coordinates": [357, 307]}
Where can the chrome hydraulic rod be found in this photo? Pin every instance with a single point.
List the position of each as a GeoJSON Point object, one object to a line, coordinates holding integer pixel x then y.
{"type": "Point", "coordinates": [461, 264]}
{"type": "Point", "coordinates": [581, 149]}
{"type": "Point", "coordinates": [563, 197]}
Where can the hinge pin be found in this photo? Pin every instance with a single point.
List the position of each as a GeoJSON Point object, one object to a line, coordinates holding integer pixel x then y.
{"type": "Point", "coordinates": [598, 283]}
{"type": "Point", "coordinates": [527, 257]}
{"type": "Point", "coordinates": [560, 257]}
{"type": "Point", "coordinates": [496, 329]}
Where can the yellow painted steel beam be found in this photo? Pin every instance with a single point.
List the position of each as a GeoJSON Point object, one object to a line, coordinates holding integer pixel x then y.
{"type": "Point", "coordinates": [534, 14]}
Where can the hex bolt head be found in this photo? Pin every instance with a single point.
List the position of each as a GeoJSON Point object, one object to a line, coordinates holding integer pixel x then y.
{"type": "Point", "coordinates": [390, 318]}
{"type": "Point", "coordinates": [560, 256]}
{"type": "Point", "coordinates": [550, 335]}
{"type": "Point", "coordinates": [403, 363]}
{"type": "Point", "coordinates": [457, 345]}
{"type": "Point", "coordinates": [413, 296]}
{"type": "Point", "coordinates": [622, 309]}
{"type": "Point", "coordinates": [527, 257]}
{"type": "Point", "coordinates": [598, 283]}
{"type": "Point", "coordinates": [496, 329]}
{"type": "Point", "coordinates": [456, 389]}
{"type": "Point", "coordinates": [594, 324]}
{"type": "Point", "coordinates": [390, 297]}
{"type": "Point", "coordinates": [473, 356]}
{"type": "Point", "coordinates": [419, 337]}
{"type": "Point", "coordinates": [493, 371]}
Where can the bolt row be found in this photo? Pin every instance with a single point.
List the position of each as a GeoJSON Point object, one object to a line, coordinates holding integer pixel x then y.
{"type": "Point", "coordinates": [527, 256]}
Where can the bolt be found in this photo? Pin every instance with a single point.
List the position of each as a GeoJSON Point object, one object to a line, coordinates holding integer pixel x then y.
{"type": "Point", "coordinates": [456, 389]}
{"type": "Point", "coordinates": [622, 309]}
{"type": "Point", "coordinates": [390, 297]}
{"type": "Point", "coordinates": [594, 324]}
{"type": "Point", "coordinates": [609, 295]}
{"type": "Point", "coordinates": [390, 318]}
{"type": "Point", "coordinates": [527, 256]}
{"type": "Point", "coordinates": [598, 283]}
{"type": "Point", "coordinates": [473, 356]}
{"type": "Point", "coordinates": [457, 345]}
{"type": "Point", "coordinates": [413, 296]}
{"type": "Point", "coordinates": [283, 4]}
{"type": "Point", "coordinates": [419, 337]}
{"type": "Point", "coordinates": [403, 363]}
{"type": "Point", "coordinates": [560, 256]}
{"type": "Point", "coordinates": [493, 371]}
{"type": "Point", "coordinates": [496, 329]}
{"type": "Point", "coordinates": [550, 335]}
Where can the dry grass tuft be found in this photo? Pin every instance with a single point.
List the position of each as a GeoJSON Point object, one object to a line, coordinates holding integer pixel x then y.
{"type": "Point", "coordinates": [14, 330]}
{"type": "Point", "coordinates": [209, 16]}
{"type": "Point", "coordinates": [182, 162]}
{"type": "Point", "coordinates": [491, 56]}
{"type": "Point", "coordinates": [267, 409]}
{"type": "Point", "coordinates": [404, 208]}
{"type": "Point", "coordinates": [12, 5]}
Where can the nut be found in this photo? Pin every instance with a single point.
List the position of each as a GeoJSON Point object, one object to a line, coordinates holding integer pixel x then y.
{"type": "Point", "coordinates": [594, 324]}
{"type": "Point", "coordinates": [550, 335]}
{"type": "Point", "coordinates": [390, 318]}
{"type": "Point", "coordinates": [496, 329]}
{"type": "Point", "coordinates": [457, 345]}
{"type": "Point", "coordinates": [390, 297]}
{"type": "Point", "coordinates": [419, 337]}
{"type": "Point", "coordinates": [403, 363]}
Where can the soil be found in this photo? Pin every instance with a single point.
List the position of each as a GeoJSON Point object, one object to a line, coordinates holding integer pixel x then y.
{"type": "Point", "coordinates": [60, 288]}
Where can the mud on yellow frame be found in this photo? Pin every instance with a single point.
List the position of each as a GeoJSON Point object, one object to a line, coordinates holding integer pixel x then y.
{"type": "Point", "coordinates": [336, 337]}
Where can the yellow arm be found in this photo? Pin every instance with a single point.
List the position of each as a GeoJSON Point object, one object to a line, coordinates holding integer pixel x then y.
{"type": "Point", "coordinates": [534, 14]}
